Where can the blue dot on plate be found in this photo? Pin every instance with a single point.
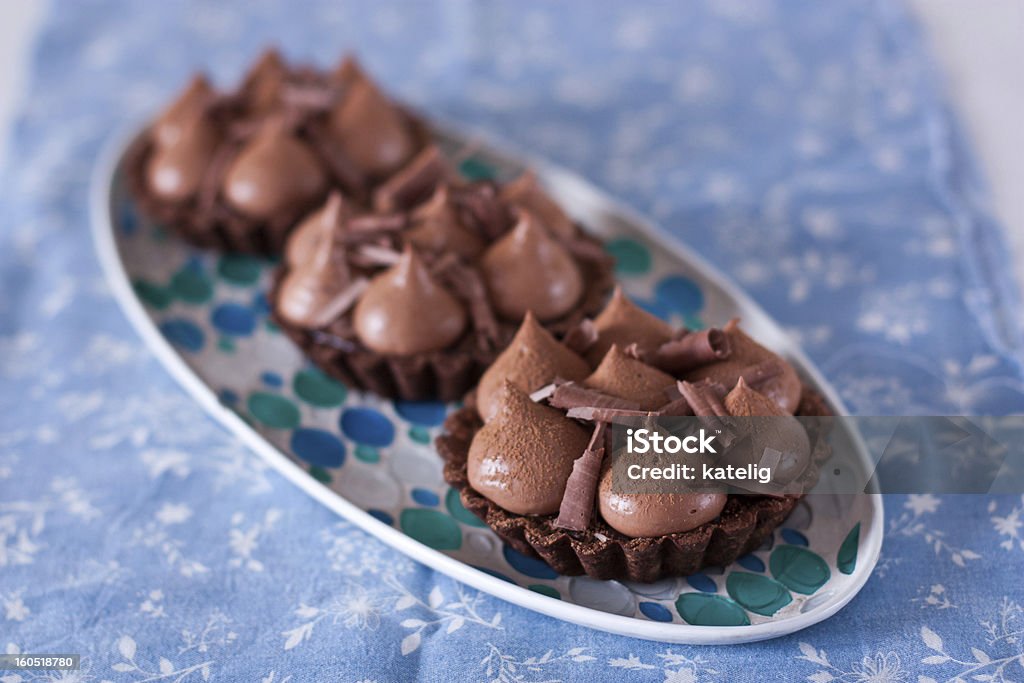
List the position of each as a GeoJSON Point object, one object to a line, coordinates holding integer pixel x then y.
{"type": "Point", "coordinates": [656, 308]}
{"type": "Point", "coordinates": [382, 516]}
{"type": "Point", "coordinates": [184, 334]}
{"type": "Point", "coordinates": [318, 447]}
{"type": "Point", "coordinates": [751, 562]}
{"type": "Point", "coordinates": [680, 294]}
{"type": "Point", "coordinates": [228, 397]}
{"type": "Point", "coordinates": [702, 582]}
{"type": "Point", "coordinates": [794, 537]}
{"type": "Point", "coordinates": [497, 575]}
{"type": "Point", "coordinates": [531, 566]}
{"type": "Point", "coordinates": [271, 379]}
{"type": "Point", "coordinates": [426, 413]}
{"type": "Point", "coordinates": [425, 497]}
{"type": "Point", "coordinates": [129, 221]}
{"type": "Point", "coordinates": [234, 319]}
{"type": "Point", "coordinates": [368, 427]}
{"type": "Point", "coordinates": [655, 612]}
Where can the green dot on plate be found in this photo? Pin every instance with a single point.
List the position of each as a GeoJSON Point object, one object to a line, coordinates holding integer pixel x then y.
{"type": "Point", "coordinates": [272, 326]}
{"type": "Point", "coordinates": [757, 593]}
{"type": "Point", "coordinates": [320, 474]}
{"type": "Point", "coordinates": [798, 569]}
{"type": "Point", "coordinates": [226, 345]}
{"type": "Point", "coordinates": [456, 509]}
{"type": "Point", "coordinates": [191, 285]}
{"type": "Point", "coordinates": [704, 609]}
{"type": "Point", "coordinates": [316, 388]}
{"type": "Point", "coordinates": [239, 269]}
{"type": "Point", "coordinates": [631, 257]}
{"type": "Point", "coordinates": [693, 322]}
{"type": "Point", "coordinates": [154, 295]}
{"type": "Point", "coordinates": [419, 435]}
{"type": "Point", "coordinates": [545, 590]}
{"type": "Point", "coordinates": [367, 454]}
{"type": "Point", "coordinates": [476, 169]}
{"type": "Point", "coordinates": [432, 528]}
{"type": "Point", "coordinates": [846, 560]}
{"type": "Point", "coordinates": [273, 410]}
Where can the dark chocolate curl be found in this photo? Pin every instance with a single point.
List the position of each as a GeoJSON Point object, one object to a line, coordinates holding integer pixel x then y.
{"type": "Point", "coordinates": [571, 395]}
{"type": "Point", "coordinates": [370, 226]}
{"type": "Point", "coordinates": [372, 255]}
{"type": "Point", "coordinates": [481, 207]}
{"type": "Point", "coordinates": [581, 337]}
{"type": "Point", "coordinates": [680, 407]}
{"type": "Point", "coordinates": [342, 302]}
{"type": "Point", "coordinates": [469, 286]}
{"type": "Point", "coordinates": [543, 393]}
{"type": "Point", "coordinates": [604, 414]}
{"type": "Point", "coordinates": [693, 350]}
{"type": "Point", "coordinates": [413, 183]}
{"type": "Point", "coordinates": [761, 372]}
{"type": "Point", "coordinates": [581, 488]}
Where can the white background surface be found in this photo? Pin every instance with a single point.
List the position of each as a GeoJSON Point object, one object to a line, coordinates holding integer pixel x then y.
{"type": "Point", "coordinates": [979, 43]}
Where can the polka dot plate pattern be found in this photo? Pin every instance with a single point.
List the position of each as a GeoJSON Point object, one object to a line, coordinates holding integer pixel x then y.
{"type": "Point", "coordinates": [206, 316]}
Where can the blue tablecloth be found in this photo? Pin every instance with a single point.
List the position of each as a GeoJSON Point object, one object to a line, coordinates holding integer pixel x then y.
{"type": "Point", "coordinates": [803, 147]}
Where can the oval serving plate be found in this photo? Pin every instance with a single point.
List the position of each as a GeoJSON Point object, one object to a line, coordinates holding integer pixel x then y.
{"type": "Point", "coordinates": [371, 461]}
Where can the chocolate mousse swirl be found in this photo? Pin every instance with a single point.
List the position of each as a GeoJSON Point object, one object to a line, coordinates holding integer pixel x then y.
{"type": "Point", "coordinates": [528, 452]}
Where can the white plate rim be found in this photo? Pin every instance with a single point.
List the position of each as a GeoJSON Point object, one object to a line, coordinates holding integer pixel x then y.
{"type": "Point", "coordinates": [102, 226]}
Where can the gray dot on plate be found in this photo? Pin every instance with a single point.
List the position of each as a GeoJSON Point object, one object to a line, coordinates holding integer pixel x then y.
{"type": "Point", "coordinates": [660, 590]}
{"type": "Point", "coordinates": [607, 596]}
{"type": "Point", "coordinates": [816, 601]}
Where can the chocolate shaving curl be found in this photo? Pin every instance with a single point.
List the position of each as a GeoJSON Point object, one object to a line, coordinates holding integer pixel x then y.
{"type": "Point", "coordinates": [592, 414]}
{"type": "Point", "coordinates": [577, 505]}
{"type": "Point", "coordinates": [693, 350]}
{"type": "Point", "coordinates": [372, 255]}
{"type": "Point", "coordinates": [342, 302]}
{"type": "Point", "coordinates": [413, 183]}
{"type": "Point", "coordinates": [469, 286]}
{"type": "Point", "coordinates": [581, 337]}
{"type": "Point", "coordinates": [571, 395]}
{"type": "Point", "coordinates": [759, 373]}
{"type": "Point", "coordinates": [370, 226]}
{"type": "Point", "coordinates": [481, 207]}
{"type": "Point", "coordinates": [703, 399]}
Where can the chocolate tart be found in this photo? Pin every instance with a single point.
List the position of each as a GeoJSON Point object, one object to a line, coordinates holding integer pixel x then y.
{"type": "Point", "coordinates": [542, 524]}
{"type": "Point", "coordinates": [416, 304]}
{"type": "Point", "coordinates": [236, 170]}
{"type": "Point", "coordinates": [603, 553]}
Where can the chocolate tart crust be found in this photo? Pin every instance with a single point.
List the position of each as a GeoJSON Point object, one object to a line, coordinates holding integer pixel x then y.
{"type": "Point", "coordinates": [603, 553]}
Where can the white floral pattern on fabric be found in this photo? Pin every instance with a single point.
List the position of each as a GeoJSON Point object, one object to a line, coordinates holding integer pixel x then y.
{"type": "Point", "coordinates": [805, 150]}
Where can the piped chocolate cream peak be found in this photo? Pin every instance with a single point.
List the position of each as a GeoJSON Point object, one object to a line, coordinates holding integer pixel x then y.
{"type": "Point", "coordinates": [527, 193]}
{"type": "Point", "coordinates": [628, 378]}
{"type": "Point", "coordinates": [406, 311]}
{"type": "Point", "coordinates": [190, 105]}
{"type": "Point", "coordinates": [774, 435]}
{"type": "Point", "coordinates": [262, 85]}
{"type": "Point", "coordinates": [522, 459]}
{"type": "Point", "coordinates": [622, 322]}
{"type": "Point", "coordinates": [533, 358]}
{"type": "Point", "coordinates": [274, 173]}
{"type": "Point", "coordinates": [655, 514]}
{"type": "Point", "coordinates": [318, 287]}
{"type": "Point", "coordinates": [528, 270]}
{"type": "Point", "coordinates": [175, 171]}
{"type": "Point", "coordinates": [372, 130]}
{"type": "Point", "coordinates": [783, 387]}
{"type": "Point", "coordinates": [315, 231]}
{"type": "Point", "coordinates": [436, 227]}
